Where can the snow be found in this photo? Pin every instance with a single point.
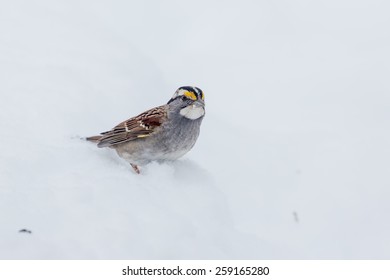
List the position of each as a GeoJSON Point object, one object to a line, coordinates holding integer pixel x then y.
{"type": "Point", "coordinates": [293, 157]}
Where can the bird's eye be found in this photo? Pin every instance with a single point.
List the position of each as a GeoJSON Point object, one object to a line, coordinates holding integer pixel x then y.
{"type": "Point", "coordinates": [183, 98]}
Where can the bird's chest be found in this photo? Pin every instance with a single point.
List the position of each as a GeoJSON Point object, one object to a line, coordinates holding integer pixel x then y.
{"type": "Point", "coordinates": [179, 138]}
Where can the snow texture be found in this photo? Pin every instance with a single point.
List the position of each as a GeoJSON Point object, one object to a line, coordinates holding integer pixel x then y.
{"type": "Point", "coordinates": [293, 160]}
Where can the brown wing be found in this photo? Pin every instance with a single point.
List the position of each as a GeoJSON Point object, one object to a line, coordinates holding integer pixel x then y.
{"type": "Point", "coordinates": [140, 126]}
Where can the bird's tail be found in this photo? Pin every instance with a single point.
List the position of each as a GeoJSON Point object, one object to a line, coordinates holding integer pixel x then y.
{"type": "Point", "coordinates": [94, 139]}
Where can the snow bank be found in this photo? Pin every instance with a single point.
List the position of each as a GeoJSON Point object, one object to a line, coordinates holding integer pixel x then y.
{"type": "Point", "coordinates": [292, 161]}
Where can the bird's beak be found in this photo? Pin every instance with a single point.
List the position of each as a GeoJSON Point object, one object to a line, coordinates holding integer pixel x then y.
{"type": "Point", "coordinates": [198, 103]}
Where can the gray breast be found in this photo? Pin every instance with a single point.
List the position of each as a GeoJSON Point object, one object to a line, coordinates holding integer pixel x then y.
{"type": "Point", "coordinates": [179, 136]}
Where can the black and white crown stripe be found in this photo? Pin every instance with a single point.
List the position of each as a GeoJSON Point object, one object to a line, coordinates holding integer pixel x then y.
{"type": "Point", "coordinates": [197, 91]}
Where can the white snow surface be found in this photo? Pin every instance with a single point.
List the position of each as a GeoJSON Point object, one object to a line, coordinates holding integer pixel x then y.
{"type": "Point", "coordinates": [293, 160]}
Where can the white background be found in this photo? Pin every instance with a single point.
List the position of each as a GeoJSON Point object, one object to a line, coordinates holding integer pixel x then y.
{"type": "Point", "coordinates": [293, 160]}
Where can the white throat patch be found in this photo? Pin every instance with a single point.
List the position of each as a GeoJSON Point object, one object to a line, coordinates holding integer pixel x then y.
{"type": "Point", "coordinates": [192, 112]}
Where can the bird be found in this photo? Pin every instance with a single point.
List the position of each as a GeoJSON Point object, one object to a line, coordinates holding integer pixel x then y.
{"type": "Point", "coordinates": [163, 133]}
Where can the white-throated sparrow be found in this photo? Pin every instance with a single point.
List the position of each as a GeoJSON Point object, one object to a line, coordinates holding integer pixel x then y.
{"type": "Point", "coordinates": [163, 133]}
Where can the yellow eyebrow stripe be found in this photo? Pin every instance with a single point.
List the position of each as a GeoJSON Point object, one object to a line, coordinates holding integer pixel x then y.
{"type": "Point", "coordinates": [190, 95]}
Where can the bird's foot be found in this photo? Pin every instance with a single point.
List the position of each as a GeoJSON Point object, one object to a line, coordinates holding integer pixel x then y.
{"type": "Point", "coordinates": [136, 168]}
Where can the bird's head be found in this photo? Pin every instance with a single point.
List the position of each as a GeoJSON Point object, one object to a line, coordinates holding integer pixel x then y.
{"type": "Point", "coordinates": [189, 101]}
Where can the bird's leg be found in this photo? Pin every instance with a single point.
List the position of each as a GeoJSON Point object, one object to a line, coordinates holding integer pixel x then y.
{"type": "Point", "coordinates": [135, 167]}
